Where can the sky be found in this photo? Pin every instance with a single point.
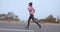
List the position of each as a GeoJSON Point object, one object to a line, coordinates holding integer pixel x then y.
{"type": "Point", "coordinates": [43, 8]}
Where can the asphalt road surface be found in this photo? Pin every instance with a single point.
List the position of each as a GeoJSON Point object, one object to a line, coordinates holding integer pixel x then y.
{"type": "Point", "coordinates": [46, 27]}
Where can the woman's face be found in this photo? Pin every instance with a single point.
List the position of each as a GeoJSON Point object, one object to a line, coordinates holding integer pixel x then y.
{"type": "Point", "coordinates": [29, 5]}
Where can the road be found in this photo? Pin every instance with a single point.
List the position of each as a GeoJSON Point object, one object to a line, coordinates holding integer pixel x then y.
{"type": "Point", "coordinates": [46, 27]}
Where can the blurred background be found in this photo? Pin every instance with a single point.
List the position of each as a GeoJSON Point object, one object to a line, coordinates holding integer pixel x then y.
{"type": "Point", "coordinates": [44, 9]}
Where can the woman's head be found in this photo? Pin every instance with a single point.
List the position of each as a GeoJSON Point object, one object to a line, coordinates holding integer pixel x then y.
{"type": "Point", "coordinates": [30, 4]}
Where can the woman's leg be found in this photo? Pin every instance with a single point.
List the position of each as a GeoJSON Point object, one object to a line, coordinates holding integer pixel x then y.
{"type": "Point", "coordinates": [35, 21]}
{"type": "Point", "coordinates": [28, 21]}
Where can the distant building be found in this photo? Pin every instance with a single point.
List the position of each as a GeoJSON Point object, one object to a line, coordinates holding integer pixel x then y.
{"type": "Point", "coordinates": [58, 19]}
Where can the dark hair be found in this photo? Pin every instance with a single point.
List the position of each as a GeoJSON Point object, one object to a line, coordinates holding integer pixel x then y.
{"type": "Point", "coordinates": [30, 4]}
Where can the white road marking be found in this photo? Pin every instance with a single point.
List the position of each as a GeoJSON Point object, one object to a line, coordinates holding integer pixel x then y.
{"type": "Point", "coordinates": [16, 30]}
